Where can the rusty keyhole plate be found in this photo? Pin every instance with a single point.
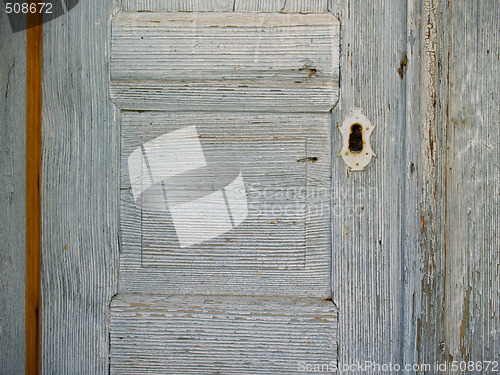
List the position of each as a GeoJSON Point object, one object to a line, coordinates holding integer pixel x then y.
{"type": "Point", "coordinates": [356, 149]}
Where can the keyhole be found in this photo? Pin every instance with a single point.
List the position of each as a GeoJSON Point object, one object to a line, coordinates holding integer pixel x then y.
{"type": "Point", "coordinates": [356, 139]}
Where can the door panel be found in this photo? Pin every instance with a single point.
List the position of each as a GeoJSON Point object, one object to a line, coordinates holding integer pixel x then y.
{"type": "Point", "coordinates": [283, 245]}
{"type": "Point", "coordinates": [210, 61]}
{"type": "Point", "coordinates": [178, 5]}
{"type": "Point", "coordinates": [226, 5]}
{"type": "Point", "coordinates": [188, 334]}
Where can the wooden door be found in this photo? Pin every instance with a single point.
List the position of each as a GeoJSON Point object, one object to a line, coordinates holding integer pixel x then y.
{"type": "Point", "coordinates": [411, 245]}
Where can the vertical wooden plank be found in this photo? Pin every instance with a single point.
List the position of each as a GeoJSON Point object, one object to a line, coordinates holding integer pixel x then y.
{"type": "Point", "coordinates": [33, 207]}
{"type": "Point", "coordinates": [368, 206]}
{"type": "Point", "coordinates": [471, 114]}
{"type": "Point", "coordinates": [452, 186]}
{"type": "Point", "coordinates": [423, 228]}
{"type": "Point", "coordinates": [79, 192]}
{"type": "Point", "coordinates": [12, 195]}
{"type": "Point", "coordinates": [411, 75]}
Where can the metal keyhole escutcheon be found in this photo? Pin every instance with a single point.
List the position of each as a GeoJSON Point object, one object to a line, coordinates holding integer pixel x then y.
{"type": "Point", "coordinates": [356, 149]}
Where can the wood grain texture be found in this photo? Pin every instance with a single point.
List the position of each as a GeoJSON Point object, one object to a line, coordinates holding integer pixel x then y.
{"type": "Point", "coordinates": [33, 194]}
{"type": "Point", "coordinates": [282, 247]}
{"type": "Point", "coordinates": [402, 297]}
{"type": "Point", "coordinates": [226, 5]}
{"type": "Point", "coordinates": [451, 225]}
{"type": "Point", "coordinates": [80, 192]}
{"type": "Point", "coordinates": [272, 334]}
{"type": "Point", "coordinates": [178, 5]}
{"type": "Point", "coordinates": [424, 225]}
{"type": "Point", "coordinates": [470, 113]}
{"type": "Point", "coordinates": [368, 206]}
{"type": "Point", "coordinates": [12, 195]}
{"type": "Point", "coordinates": [221, 334]}
{"type": "Point", "coordinates": [281, 6]}
{"type": "Point", "coordinates": [267, 62]}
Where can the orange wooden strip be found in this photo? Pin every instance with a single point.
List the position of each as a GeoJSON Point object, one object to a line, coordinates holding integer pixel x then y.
{"type": "Point", "coordinates": [33, 172]}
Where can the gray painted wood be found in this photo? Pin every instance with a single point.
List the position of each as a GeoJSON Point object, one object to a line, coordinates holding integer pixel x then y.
{"type": "Point", "coordinates": [281, 6]}
{"type": "Point", "coordinates": [282, 247]}
{"type": "Point", "coordinates": [221, 335]}
{"type": "Point", "coordinates": [226, 5]}
{"type": "Point", "coordinates": [271, 335]}
{"type": "Point", "coordinates": [12, 195]}
{"type": "Point", "coordinates": [80, 192]}
{"type": "Point", "coordinates": [367, 210]}
{"type": "Point", "coordinates": [404, 302]}
{"type": "Point", "coordinates": [424, 208]}
{"type": "Point", "coordinates": [469, 112]}
{"type": "Point", "coordinates": [451, 227]}
{"type": "Point", "coordinates": [416, 109]}
{"type": "Point", "coordinates": [178, 5]}
{"type": "Point", "coordinates": [267, 62]}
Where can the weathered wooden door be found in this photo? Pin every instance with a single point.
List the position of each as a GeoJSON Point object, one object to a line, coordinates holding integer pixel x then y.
{"type": "Point", "coordinates": [196, 217]}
